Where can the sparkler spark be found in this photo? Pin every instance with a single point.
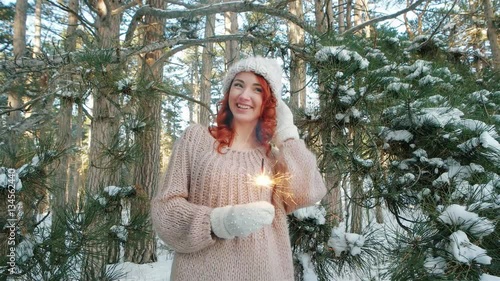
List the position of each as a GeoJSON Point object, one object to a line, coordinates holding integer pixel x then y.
{"type": "Point", "coordinates": [263, 180]}
{"type": "Point", "coordinates": [276, 184]}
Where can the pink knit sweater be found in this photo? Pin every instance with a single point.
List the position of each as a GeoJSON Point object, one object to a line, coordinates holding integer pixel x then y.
{"type": "Point", "coordinates": [199, 179]}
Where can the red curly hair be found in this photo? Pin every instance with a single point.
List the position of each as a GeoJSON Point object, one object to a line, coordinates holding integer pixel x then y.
{"type": "Point", "coordinates": [223, 131]}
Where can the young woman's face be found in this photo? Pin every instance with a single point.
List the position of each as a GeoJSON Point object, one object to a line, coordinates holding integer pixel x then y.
{"type": "Point", "coordinates": [245, 98]}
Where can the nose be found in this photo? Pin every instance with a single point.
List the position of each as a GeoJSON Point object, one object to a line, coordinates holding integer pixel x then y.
{"type": "Point", "coordinates": [245, 94]}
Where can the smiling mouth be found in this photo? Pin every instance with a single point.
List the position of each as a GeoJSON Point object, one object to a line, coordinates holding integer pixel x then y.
{"type": "Point", "coordinates": [242, 106]}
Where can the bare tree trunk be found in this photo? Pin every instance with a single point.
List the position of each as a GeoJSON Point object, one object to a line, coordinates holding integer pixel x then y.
{"type": "Point", "coordinates": [297, 65]}
{"type": "Point", "coordinates": [231, 53]}
{"type": "Point", "coordinates": [74, 161]}
{"type": "Point", "coordinates": [76, 172]}
{"type": "Point", "coordinates": [333, 198]}
{"type": "Point", "coordinates": [319, 15]}
{"type": "Point", "coordinates": [356, 187]}
{"type": "Point", "coordinates": [194, 108]}
{"type": "Point", "coordinates": [341, 17]}
{"type": "Point", "coordinates": [19, 45]}
{"type": "Point", "coordinates": [491, 32]}
{"type": "Point", "coordinates": [142, 249]}
{"type": "Point", "coordinates": [361, 15]}
{"type": "Point", "coordinates": [206, 70]}
{"type": "Point", "coordinates": [329, 14]}
{"type": "Point", "coordinates": [348, 11]}
{"type": "Point", "coordinates": [409, 30]}
{"type": "Point", "coordinates": [60, 196]}
{"type": "Point", "coordinates": [37, 42]}
{"type": "Point", "coordinates": [14, 101]}
{"type": "Point", "coordinates": [102, 171]}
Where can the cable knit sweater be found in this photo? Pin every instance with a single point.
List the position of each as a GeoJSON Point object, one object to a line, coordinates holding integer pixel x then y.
{"type": "Point", "coordinates": [199, 179]}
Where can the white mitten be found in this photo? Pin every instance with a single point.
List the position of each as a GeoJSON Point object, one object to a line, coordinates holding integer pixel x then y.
{"type": "Point", "coordinates": [285, 128]}
{"type": "Point", "coordinates": [241, 220]}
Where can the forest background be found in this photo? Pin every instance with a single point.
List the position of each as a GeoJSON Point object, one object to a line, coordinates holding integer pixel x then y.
{"type": "Point", "coordinates": [398, 99]}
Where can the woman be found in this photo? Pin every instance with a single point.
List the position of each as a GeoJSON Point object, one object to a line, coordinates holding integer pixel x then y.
{"type": "Point", "coordinates": [221, 223]}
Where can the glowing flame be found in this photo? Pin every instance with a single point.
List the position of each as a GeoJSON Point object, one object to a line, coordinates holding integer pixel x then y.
{"type": "Point", "coordinates": [263, 180]}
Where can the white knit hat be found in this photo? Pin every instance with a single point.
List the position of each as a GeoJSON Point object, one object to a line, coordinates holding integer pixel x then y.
{"type": "Point", "coordinates": [268, 68]}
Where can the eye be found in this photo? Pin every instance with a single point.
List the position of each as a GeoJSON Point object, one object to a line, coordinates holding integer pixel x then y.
{"type": "Point", "coordinates": [258, 90]}
{"type": "Point", "coordinates": [237, 84]}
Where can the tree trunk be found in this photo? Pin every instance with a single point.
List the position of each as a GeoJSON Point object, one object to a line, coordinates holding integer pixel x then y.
{"type": "Point", "coordinates": [37, 43]}
{"type": "Point", "coordinates": [14, 101]}
{"type": "Point", "coordinates": [361, 15]}
{"type": "Point", "coordinates": [231, 52]}
{"type": "Point", "coordinates": [491, 32]}
{"type": "Point", "coordinates": [341, 17]}
{"type": "Point", "coordinates": [194, 108]}
{"type": "Point", "coordinates": [206, 70]}
{"type": "Point", "coordinates": [333, 198]}
{"type": "Point", "coordinates": [356, 186]}
{"type": "Point", "coordinates": [348, 11]}
{"type": "Point", "coordinates": [329, 14]}
{"type": "Point", "coordinates": [147, 169]}
{"type": "Point", "coordinates": [319, 15]}
{"type": "Point", "coordinates": [102, 171]}
{"type": "Point", "coordinates": [297, 65]}
{"type": "Point", "coordinates": [74, 160]}
{"type": "Point", "coordinates": [14, 97]}
{"type": "Point", "coordinates": [60, 196]}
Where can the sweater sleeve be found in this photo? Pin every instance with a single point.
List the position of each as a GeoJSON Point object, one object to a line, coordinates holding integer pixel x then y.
{"type": "Point", "coordinates": [182, 225]}
{"type": "Point", "coordinates": [305, 185]}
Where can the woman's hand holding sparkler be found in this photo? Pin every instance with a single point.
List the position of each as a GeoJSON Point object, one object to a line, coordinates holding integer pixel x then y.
{"type": "Point", "coordinates": [233, 221]}
{"type": "Point", "coordinates": [285, 128]}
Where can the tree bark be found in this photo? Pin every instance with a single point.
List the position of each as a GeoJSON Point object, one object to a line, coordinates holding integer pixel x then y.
{"type": "Point", "coordinates": [102, 172]}
{"type": "Point", "coordinates": [319, 14]}
{"type": "Point", "coordinates": [74, 161]}
{"type": "Point", "coordinates": [14, 101]}
{"type": "Point", "coordinates": [348, 11]}
{"type": "Point", "coordinates": [147, 169]}
{"type": "Point", "coordinates": [231, 53]}
{"type": "Point", "coordinates": [491, 32]}
{"type": "Point", "coordinates": [297, 64]}
{"type": "Point", "coordinates": [341, 17]}
{"type": "Point", "coordinates": [194, 108]}
{"type": "Point", "coordinates": [37, 43]}
{"type": "Point", "coordinates": [206, 70]}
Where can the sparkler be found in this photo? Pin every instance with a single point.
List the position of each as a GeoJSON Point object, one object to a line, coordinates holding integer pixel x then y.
{"type": "Point", "coordinates": [263, 179]}
{"type": "Point", "coordinates": [273, 185]}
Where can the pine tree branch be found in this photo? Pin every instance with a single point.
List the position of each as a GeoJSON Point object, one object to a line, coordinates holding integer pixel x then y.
{"type": "Point", "coordinates": [382, 18]}
{"type": "Point", "coordinates": [188, 98]}
{"type": "Point", "coordinates": [26, 64]}
{"type": "Point", "coordinates": [236, 7]}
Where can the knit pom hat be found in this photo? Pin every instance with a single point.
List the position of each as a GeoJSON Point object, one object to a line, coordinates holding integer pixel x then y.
{"type": "Point", "coordinates": [268, 68]}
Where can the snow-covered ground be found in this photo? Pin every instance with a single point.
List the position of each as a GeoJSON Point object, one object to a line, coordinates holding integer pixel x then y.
{"type": "Point", "coordinates": [157, 271]}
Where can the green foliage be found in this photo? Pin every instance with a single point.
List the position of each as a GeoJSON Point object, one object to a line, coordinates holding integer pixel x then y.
{"type": "Point", "coordinates": [407, 123]}
{"type": "Point", "coordinates": [6, 18]}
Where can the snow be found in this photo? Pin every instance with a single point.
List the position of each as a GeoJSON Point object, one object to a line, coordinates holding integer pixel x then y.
{"type": "Point", "coordinates": [435, 265]}
{"type": "Point", "coordinates": [398, 87]}
{"type": "Point", "coordinates": [157, 271]}
{"type": "Point", "coordinates": [343, 54]}
{"type": "Point", "coordinates": [117, 190]}
{"type": "Point", "coordinates": [466, 252]}
{"type": "Point", "coordinates": [417, 69]}
{"type": "Point", "coordinates": [429, 80]}
{"type": "Point", "coordinates": [315, 212]}
{"type": "Point", "coordinates": [341, 241]}
{"type": "Point", "coordinates": [120, 231]}
{"type": "Point", "coordinates": [308, 267]}
{"type": "Point", "coordinates": [397, 135]}
{"type": "Point", "coordinates": [457, 215]}
{"type": "Point", "coordinates": [487, 277]}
